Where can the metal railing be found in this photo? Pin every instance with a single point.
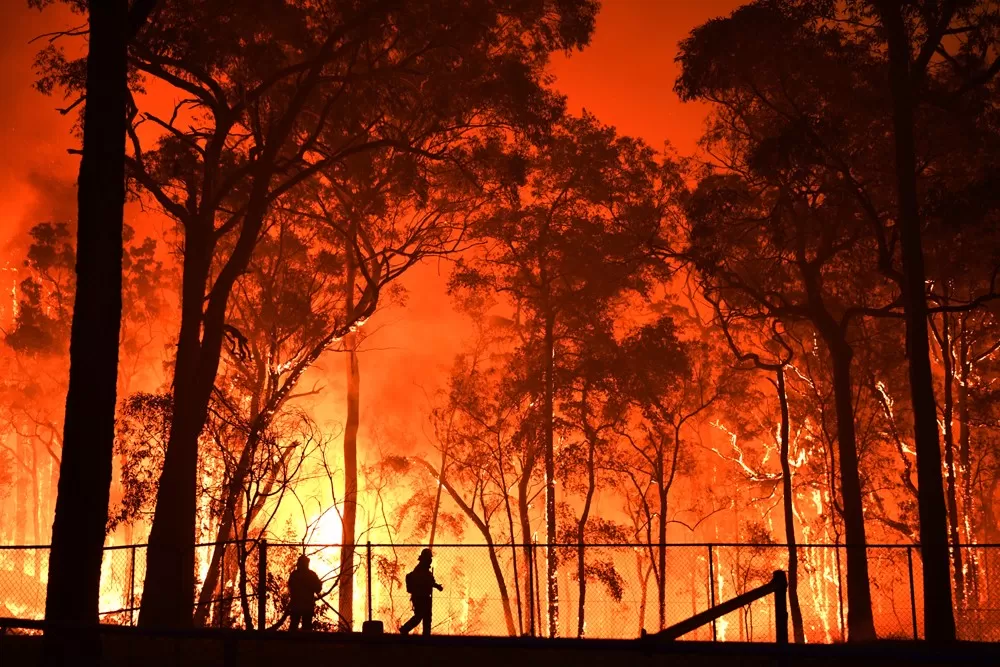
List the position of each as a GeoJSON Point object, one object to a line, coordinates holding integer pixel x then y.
{"type": "Point", "coordinates": [500, 589]}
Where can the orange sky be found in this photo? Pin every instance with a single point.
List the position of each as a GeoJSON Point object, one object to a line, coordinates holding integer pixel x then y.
{"type": "Point", "coordinates": [625, 78]}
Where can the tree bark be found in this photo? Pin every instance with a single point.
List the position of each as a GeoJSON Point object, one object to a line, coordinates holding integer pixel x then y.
{"type": "Point", "coordinates": [81, 512]}
{"type": "Point", "coordinates": [798, 632]}
{"type": "Point", "coordinates": [939, 619]}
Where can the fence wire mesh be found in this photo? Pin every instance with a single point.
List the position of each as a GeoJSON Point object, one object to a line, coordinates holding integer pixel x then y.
{"type": "Point", "coordinates": [501, 589]}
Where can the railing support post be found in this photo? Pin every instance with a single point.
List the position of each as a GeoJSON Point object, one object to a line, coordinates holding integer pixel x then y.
{"type": "Point", "coordinates": [131, 587]}
{"type": "Point", "coordinates": [368, 558]}
{"type": "Point", "coordinates": [711, 586]}
{"type": "Point", "coordinates": [262, 584]}
{"type": "Point", "coordinates": [780, 582]}
{"type": "Point", "coordinates": [913, 594]}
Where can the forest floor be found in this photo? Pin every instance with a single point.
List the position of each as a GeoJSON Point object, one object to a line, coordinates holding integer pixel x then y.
{"type": "Point", "coordinates": [283, 649]}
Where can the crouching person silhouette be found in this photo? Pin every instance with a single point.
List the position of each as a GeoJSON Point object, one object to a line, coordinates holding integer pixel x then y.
{"type": "Point", "coordinates": [419, 583]}
{"type": "Point", "coordinates": [303, 587]}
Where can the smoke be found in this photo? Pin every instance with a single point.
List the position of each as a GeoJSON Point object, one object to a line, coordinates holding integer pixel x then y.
{"type": "Point", "coordinates": [37, 173]}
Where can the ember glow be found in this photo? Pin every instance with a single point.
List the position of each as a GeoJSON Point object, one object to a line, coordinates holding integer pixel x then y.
{"type": "Point", "coordinates": [606, 305]}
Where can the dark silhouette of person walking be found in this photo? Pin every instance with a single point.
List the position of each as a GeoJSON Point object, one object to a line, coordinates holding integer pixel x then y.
{"type": "Point", "coordinates": [303, 587]}
{"type": "Point", "coordinates": [419, 584]}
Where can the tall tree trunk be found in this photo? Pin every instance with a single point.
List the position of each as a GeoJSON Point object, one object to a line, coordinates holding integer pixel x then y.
{"type": "Point", "coordinates": [661, 549]}
{"type": "Point", "coordinates": [964, 450]}
{"type": "Point", "coordinates": [643, 590]}
{"type": "Point", "coordinates": [508, 616]}
{"type": "Point", "coordinates": [437, 496]}
{"type": "Point", "coordinates": [788, 497]}
{"type": "Point", "coordinates": [349, 520]}
{"type": "Point", "coordinates": [81, 512]}
{"type": "Point", "coordinates": [168, 591]}
{"type": "Point", "coordinates": [581, 564]}
{"type": "Point", "coordinates": [948, 415]}
{"type": "Point", "coordinates": [860, 623]}
{"type": "Point", "coordinates": [524, 517]}
{"type": "Point", "coordinates": [36, 511]}
{"type": "Point", "coordinates": [513, 544]}
{"type": "Point", "coordinates": [21, 490]}
{"type": "Point", "coordinates": [551, 562]}
{"type": "Point", "coordinates": [168, 594]}
{"type": "Point", "coordinates": [939, 618]}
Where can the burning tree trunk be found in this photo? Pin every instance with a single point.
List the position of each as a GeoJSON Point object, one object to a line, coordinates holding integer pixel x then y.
{"type": "Point", "coordinates": [551, 562]}
{"type": "Point", "coordinates": [946, 344]}
{"type": "Point", "coordinates": [939, 619]}
{"type": "Point", "coordinates": [81, 511]}
{"type": "Point", "coordinates": [788, 499]}
{"type": "Point", "coordinates": [964, 444]}
{"type": "Point", "coordinates": [349, 519]}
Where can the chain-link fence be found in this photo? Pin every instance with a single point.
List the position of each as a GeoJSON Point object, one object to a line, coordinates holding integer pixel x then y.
{"type": "Point", "coordinates": [502, 589]}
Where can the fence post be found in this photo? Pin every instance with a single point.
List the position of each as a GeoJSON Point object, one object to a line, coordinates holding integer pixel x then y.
{"type": "Point", "coordinates": [262, 584]}
{"type": "Point", "coordinates": [711, 586]}
{"type": "Point", "coordinates": [368, 557]}
{"type": "Point", "coordinates": [780, 581]}
{"type": "Point", "coordinates": [913, 594]}
{"type": "Point", "coordinates": [131, 588]}
{"type": "Point", "coordinates": [531, 587]}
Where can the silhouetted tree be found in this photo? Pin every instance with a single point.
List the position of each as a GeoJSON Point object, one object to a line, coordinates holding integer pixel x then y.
{"type": "Point", "coordinates": [783, 229]}
{"type": "Point", "coordinates": [81, 511]}
{"type": "Point", "coordinates": [590, 198]}
{"type": "Point", "coordinates": [671, 385]}
{"type": "Point", "coordinates": [386, 212]}
{"type": "Point", "coordinates": [271, 98]}
{"type": "Point", "coordinates": [914, 35]}
{"type": "Point", "coordinates": [772, 354]}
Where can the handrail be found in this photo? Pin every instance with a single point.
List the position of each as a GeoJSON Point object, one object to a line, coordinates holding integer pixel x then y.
{"type": "Point", "coordinates": [778, 586]}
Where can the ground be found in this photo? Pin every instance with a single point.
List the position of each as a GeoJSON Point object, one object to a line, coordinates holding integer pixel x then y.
{"type": "Point", "coordinates": [242, 649]}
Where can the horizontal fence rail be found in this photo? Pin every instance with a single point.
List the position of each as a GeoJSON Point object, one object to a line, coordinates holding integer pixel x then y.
{"type": "Point", "coordinates": [777, 587]}
{"type": "Point", "coordinates": [500, 589]}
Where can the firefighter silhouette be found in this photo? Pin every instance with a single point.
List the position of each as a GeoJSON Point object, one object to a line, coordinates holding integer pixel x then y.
{"type": "Point", "coordinates": [303, 587]}
{"type": "Point", "coordinates": [419, 584]}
